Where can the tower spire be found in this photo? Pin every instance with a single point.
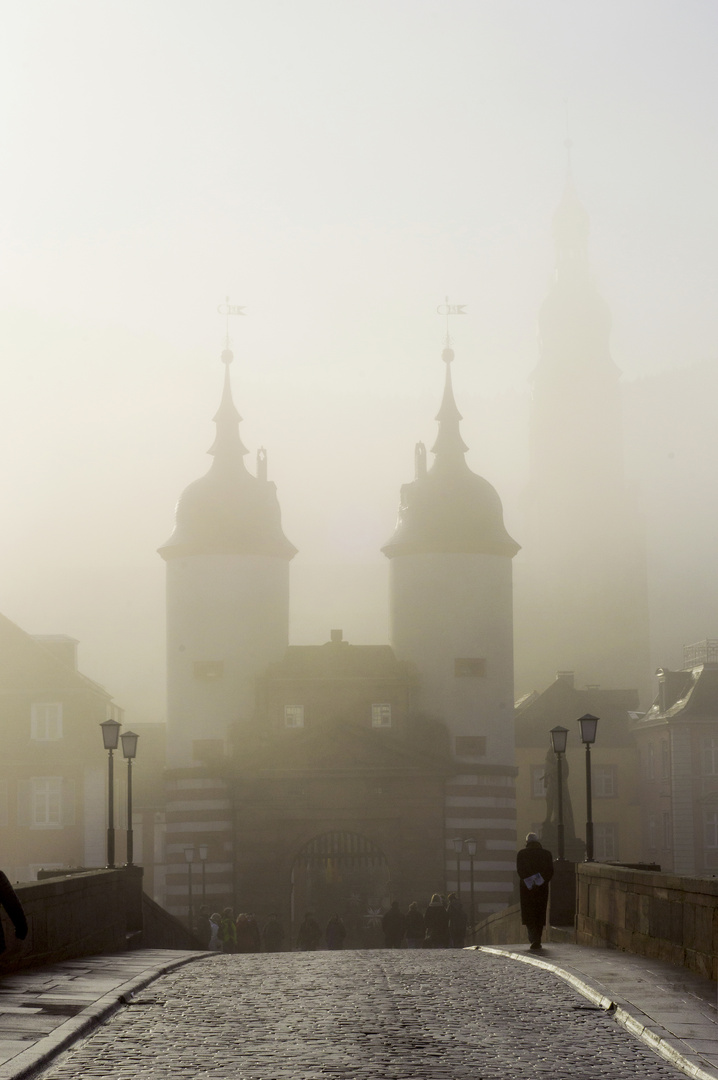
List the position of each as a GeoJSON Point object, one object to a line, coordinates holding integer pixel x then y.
{"type": "Point", "coordinates": [227, 447]}
{"type": "Point", "coordinates": [449, 447]}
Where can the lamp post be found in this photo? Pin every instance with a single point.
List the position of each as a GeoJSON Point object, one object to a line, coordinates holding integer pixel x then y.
{"type": "Point", "coordinates": [458, 843]}
{"type": "Point", "coordinates": [189, 856]}
{"type": "Point", "coordinates": [110, 739]}
{"type": "Point", "coordinates": [129, 749]}
{"type": "Point", "coordinates": [203, 850]}
{"type": "Point", "coordinates": [558, 742]}
{"type": "Point", "coordinates": [588, 725]}
{"type": "Point", "coordinates": [471, 848]}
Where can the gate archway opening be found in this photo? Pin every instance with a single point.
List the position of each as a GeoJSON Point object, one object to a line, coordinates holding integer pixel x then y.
{"type": "Point", "coordinates": [342, 873]}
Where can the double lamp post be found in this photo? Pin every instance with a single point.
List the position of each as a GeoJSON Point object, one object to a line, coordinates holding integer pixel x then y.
{"type": "Point", "coordinates": [111, 738]}
{"type": "Point", "coordinates": [559, 736]}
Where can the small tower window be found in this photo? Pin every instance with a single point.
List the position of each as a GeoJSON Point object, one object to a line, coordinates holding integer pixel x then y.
{"type": "Point", "coordinates": [208, 669]}
{"type": "Point", "coordinates": [470, 668]}
{"type": "Point", "coordinates": [381, 716]}
{"type": "Point", "coordinates": [294, 716]}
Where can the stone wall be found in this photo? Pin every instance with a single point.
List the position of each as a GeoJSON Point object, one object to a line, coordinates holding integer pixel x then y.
{"type": "Point", "coordinates": [501, 928]}
{"type": "Point", "coordinates": [652, 914]}
{"type": "Point", "coordinates": [83, 914]}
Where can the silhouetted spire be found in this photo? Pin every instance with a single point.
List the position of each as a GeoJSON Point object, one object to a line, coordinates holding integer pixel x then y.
{"type": "Point", "coordinates": [449, 447]}
{"type": "Point", "coordinates": [570, 227]}
{"type": "Point", "coordinates": [227, 446]}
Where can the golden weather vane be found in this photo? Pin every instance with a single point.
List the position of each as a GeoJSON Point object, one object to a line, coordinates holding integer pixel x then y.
{"type": "Point", "coordinates": [228, 309]}
{"type": "Point", "coordinates": [448, 310]}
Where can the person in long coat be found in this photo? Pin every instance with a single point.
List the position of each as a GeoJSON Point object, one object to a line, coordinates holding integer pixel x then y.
{"type": "Point", "coordinates": [534, 865]}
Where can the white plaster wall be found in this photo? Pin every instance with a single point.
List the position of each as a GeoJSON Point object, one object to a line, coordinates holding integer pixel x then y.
{"type": "Point", "coordinates": [445, 607]}
{"type": "Point", "coordinates": [228, 608]}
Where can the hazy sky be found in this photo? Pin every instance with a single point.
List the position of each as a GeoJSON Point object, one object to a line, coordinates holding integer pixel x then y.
{"type": "Point", "coordinates": [338, 167]}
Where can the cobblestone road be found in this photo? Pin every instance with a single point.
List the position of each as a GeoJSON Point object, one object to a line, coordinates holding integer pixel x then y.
{"type": "Point", "coordinates": [399, 1015]}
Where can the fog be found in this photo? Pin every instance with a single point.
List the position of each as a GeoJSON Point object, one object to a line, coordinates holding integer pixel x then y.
{"type": "Point", "coordinates": [338, 168]}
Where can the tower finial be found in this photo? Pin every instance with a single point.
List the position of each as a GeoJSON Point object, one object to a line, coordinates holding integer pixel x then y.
{"type": "Point", "coordinates": [228, 309]}
{"type": "Point", "coordinates": [448, 309]}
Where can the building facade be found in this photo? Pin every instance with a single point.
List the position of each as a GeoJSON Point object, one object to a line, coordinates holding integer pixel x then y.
{"type": "Point", "coordinates": [335, 775]}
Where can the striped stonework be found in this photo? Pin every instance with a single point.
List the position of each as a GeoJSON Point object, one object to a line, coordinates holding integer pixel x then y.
{"type": "Point", "coordinates": [199, 811]}
{"type": "Point", "coordinates": [480, 804]}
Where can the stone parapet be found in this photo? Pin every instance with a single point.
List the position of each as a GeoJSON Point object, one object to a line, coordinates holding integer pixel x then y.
{"type": "Point", "coordinates": [662, 916]}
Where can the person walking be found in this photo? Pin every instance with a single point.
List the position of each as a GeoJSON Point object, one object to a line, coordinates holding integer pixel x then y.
{"type": "Point", "coordinates": [215, 922]}
{"type": "Point", "coordinates": [247, 933]}
{"type": "Point", "coordinates": [414, 927]}
{"type": "Point", "coordinates": [436, 921]}
{"type": "Point", "coordinates": [228, 931]}
{"type": "Point", "coordinates": [457, 921]}
{"type": "Point", "coordinates": [335, 933]}
{"type": "Point", "coordinates": [273, 934]}
{"type": "Point", "coordinates": [534, 865]}
{"type": "Point", "coordinates": [393, 924]}
{"type": "Point", "coordinates": [310, 934]}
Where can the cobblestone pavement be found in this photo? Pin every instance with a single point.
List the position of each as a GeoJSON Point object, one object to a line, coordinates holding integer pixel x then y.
{"type": "Point", "coordinates": [398, 1015]}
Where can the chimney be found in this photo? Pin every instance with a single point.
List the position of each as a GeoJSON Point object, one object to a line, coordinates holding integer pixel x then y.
{"type": "Point", "coordinates": [565, 676]}
{"type": "Point", "coordinates": [336, 636]}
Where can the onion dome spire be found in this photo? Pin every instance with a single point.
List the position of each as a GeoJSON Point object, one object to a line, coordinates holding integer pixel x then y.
{"type": "Point", "coordinates": [229, 511]}
{"type": "Point", "coordinates": [448, 508]}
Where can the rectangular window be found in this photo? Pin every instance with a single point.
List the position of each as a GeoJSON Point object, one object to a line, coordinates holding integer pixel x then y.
{"type": "Point", "coordinates": [470, 668]}
{"type": "Point", "coordinates": [710, 830]}
{"type": "Point", "coordinates": [652, 833]}
{"type": "Point", "coordinates": [665, 759]}
{"type": "Point", "coordinates": [604, 781]}
{"type": "Point", "coordinates": [538, 783]}
{"type": "Point", "coordinates": [46, 802]}
{"type": "Point", "coordinates": [667, 836]}
{"type": "Point", "coordinates": [650, 762]}
{"type": "Point", "coordinates": [605, 841]}
{"type": "Point", "coordinates": [294, 716]}
{"type": "Point", "coordinates": [45, 721]}
{"type": "Point", "coordinates": [709, 755]}
{"type": "Point", "coordinates": [381, 716]}
{"type": "Point", "coordinates": [471, 745]}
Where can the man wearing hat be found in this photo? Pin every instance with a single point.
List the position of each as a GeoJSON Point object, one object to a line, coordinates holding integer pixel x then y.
{"type": "Point", "coordinates": [534, 865]}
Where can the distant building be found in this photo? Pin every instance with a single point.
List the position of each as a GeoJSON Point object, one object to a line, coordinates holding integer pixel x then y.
{"type": "Point", "coordinates": [53, 769]}
{"type": "Point", "coordinates": [336, 774]}
{"type": "Point", "coordinates": [581, 592]}
{"type": "Point", "coordinates": [677, 740]}
{"type": "Point", "coordinates": [617, 807]}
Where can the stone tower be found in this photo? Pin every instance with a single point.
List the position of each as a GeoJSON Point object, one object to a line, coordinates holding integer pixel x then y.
{"type": "Point", "coordinates": [581, 580]}
{"type": "Point", "coordinates": [451, 615]}
{"type": "Point", "coordinates": [227, 620]}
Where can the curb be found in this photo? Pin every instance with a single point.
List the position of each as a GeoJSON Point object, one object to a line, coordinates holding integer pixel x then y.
{"type": "Point", "coordinates": [620, 1011]}
{"type": "Point", "coordinates": [38, 1056]}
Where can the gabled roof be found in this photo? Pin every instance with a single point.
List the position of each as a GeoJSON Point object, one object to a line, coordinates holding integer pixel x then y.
{"type": "Point", "coordinates": [28, 665]}
{"type": "Point", "coordinates": [340, 660]}
{"type": "Point", "coordinates": [561, 703]}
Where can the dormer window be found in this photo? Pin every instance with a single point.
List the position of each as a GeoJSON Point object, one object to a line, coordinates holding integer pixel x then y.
{"type": "Point", "coordinates": [46, 721]}
{"type": "Point", "coordinates": [381, 715]}
{"type": "Point", "coordinates": [294, 716]}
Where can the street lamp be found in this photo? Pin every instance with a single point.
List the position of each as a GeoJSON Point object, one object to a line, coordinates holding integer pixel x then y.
{"type": "Point", "coordinates": [471, 848]}
{"type": "Point", "coordinates": [189, 856]}
{"type": "Point", "coordinates": [458, 843]}
{"type": "Point", "coordinates": [558, 742]}
{"type": "Point", "coordinates": [110, 739]}
{"type": "Point", "coordinates": [203, 850]}
{"type": "Point", "coordinates": [588, 737]}
{"type": "Point", "coordinates": [129, 749]}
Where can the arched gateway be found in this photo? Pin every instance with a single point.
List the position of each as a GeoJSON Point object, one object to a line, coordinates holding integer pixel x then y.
{"type": "Point", "coordinates": [343, 873]}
